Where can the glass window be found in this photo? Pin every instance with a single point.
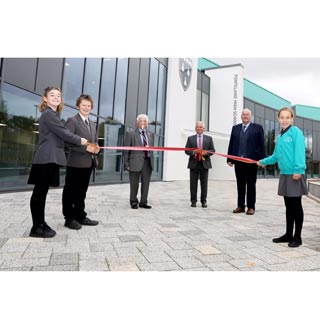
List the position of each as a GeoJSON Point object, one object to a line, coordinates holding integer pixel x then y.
{"type": "Point", "coordinates": [18, 136]}
{"type": "Point", "coordinates": [249, 105]}
{"type": "Point", "coordinates": [161, 99]}
{"type": "Point", "coordinates": [259, 111]}
{"type": "Point", "coordinates": [107, 87]}
{"type": "Point", "coordinates": [143, 85]}
{"type": "Point", "coordinates": [49, 73]}
{"type": "Point", "coordinates": [121, 90]}
{"type": "Point", "coordinates": [132, 92]}
{"type": "Point", "coordinates": [92, 79]}
{"type": "Point", "coordinates": [152, 96]}
{"type": "Point", "coordinates": [21, 72]}
{"type": "Point", "coordinates": [110, 161]}
{"type": "Point", "coordinates": [68, 112]}
{"type": "Point", "coordinates": [15, 101]}
{"type": "Point", "coordinates": [72, 80]}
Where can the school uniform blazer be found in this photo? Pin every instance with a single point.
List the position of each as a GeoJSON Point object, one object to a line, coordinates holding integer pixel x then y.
{"type": "Point", "coordinates": [78, 157]}
{"type": "Point", "coordinates": [255, 142]}
{"type": "Point", "coordinates": [52, 134]}
{"type": "Point", "coordinates": [134, 160]}
{"type": "Point", "coordinates": [207, 144]}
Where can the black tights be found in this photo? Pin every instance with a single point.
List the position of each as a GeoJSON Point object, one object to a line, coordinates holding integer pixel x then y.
{"type": "Point", "coordinates": [37, 203]}
{"type": "Point", "coordinates": [294, 216]}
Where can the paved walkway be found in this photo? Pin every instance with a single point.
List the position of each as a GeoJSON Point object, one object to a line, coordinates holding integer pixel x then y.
{"type": "Point", "coordinates": [170, 236]}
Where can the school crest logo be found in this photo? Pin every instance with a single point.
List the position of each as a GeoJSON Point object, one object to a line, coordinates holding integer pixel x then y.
{"type": "Point", "coordinates": [185, 72]}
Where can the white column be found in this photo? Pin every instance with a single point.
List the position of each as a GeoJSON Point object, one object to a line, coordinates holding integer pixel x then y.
{"type": "Point", "coordinates": [180, 120]}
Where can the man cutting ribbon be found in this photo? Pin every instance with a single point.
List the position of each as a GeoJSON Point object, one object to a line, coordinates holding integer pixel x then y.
{"type": "Point", "coordinates": [199, 163]}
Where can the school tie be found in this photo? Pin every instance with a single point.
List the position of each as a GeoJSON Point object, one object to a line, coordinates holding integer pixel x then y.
{"type": "Point", "coordinates": [145, 144]}
{"type": "Point", "coordinates": [87, 125]}
{"type": "Point", "coordinates": [199, 147]}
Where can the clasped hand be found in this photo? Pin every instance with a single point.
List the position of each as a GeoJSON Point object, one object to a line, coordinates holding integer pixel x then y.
{"type": "Point", "coordinates": [93, 148]}
{"type": "Point", "coordinates": [203, 152]}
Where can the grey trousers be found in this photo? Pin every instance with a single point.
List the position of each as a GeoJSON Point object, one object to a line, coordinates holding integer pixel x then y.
{"type": "Point", "coordinates": [135, 176]}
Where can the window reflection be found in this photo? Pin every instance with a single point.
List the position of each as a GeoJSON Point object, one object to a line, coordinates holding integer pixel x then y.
{"type": "Point", "coordinates": [19, 115]}
{"type": "Point", "coordinates": [92, 78]}
{"type": "Point", "coordinates": [107, 87]}
{"type": "Point", "coordinates": [110, 161]}
{"type": "Point", "coordinates": [121, 90]}
{"type": "Point", "coordinates": [18, 135]}
{"type": "Point", "coordinates": [161, 99]}
{"type": "Point", "coordinates": [72, 79]}
{"type": "Point", "coordinates": [152, 97]}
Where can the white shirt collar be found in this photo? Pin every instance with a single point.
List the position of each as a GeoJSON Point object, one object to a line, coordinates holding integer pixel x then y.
{"type": "Point", "coordinates": [83, 118]}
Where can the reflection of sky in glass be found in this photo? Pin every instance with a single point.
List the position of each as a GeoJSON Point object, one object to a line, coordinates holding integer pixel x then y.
{"type": "Point", "coordinates": [20, 102]}
{"type": "Point", "coordinates": [72, 81]}
{"type": "Point", "coordinates": [92, 79]}
{"type": "Point", "coordinates": [107, 87]}
{"type": "Point", "coordinates": [152, 99]}
{"type": "Point", "coordinates": [121, 88]}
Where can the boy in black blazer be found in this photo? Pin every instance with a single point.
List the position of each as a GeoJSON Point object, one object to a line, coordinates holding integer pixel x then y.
{"type": "Point", "coordinates": [80, 162]}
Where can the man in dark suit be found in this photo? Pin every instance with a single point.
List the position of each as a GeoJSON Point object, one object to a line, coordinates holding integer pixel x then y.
{"type": "Point", "coordinates": [139, 163]}
{"type": "Point", "coordinates": [247, 140]}
{"type": "Point", "coordinates": [199, 163]}
{"type": "Point", "coordinates": [80, 162]}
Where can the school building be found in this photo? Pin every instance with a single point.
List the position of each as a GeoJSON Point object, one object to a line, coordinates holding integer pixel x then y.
{"type": "Point", "coordinates": [173, 92]}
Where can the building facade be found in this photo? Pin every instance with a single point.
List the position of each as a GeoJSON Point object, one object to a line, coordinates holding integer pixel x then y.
{"type": "Point", "coordinates": [174, 92]}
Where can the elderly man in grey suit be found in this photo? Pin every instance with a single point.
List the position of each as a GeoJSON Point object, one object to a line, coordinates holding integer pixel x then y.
{"type": "Point", "coordinates": [139, 163]}
{"type": "Point", "coordinates": [80, 162]}
{"type": "Point", "coordinates": [199, 163]}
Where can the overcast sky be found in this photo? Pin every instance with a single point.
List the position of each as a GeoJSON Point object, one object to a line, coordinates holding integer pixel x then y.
{"type": "Point", "coordinates": [294, 79]}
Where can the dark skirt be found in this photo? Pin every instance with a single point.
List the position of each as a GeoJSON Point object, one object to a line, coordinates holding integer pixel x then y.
{"type": "Point", "coordinates": [292, 188]}
{"type": "Point", "coordinates": [45, 174]}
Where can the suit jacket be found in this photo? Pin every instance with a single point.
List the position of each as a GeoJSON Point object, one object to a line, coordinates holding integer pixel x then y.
{"type": "Point", "coordinates": [134, 160]}
{"type": "Point", "coordinates": [78, 157]}
{"type": "Point", "coordinates": [52, 134]}
{"type": "Point", "coordinates": [255, 142]}
{"type": "Point", "coordinates": [207, 144]}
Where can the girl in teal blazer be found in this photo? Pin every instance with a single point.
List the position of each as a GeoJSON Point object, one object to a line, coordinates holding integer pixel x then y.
{"type": "Point", "coordinates": [290, 155]}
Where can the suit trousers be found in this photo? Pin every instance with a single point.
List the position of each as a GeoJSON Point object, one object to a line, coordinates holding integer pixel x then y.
{"type": "Point", "coordinates": [199, 172]}
{"type": "Point", "coordinates": [74, 193]}
{"type": "Point", "coordinates": [294, 216]}
{"type": "Point", "coordinates": [38, 203]}
{"type": "Point", "coordinates": [135, 176]}
{"type": "Point", "coordinates": [246, 175]}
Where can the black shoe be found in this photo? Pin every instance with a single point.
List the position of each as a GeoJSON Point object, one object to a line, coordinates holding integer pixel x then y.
{"type": "Point", "coordinates": [238, 210]}
{"type": "Point", "coordinates": [134, 206]}
{"type": "Point", "coordinates": [72, 224]}
{"type": "Point", "coordinates": [204, 205]}
{"type": "Point", "coordinates": [193, 204]}
{"type": "Point", "coordinates": [42, 231]}
{"type": "Point", "coordinates": [294, 243]}
{"type": "Point", "coordinates": [282, 239]}
{"type": "Point", "coordinates": [88, 222]}
{"type": "Point", "coordinates": [146, 206]}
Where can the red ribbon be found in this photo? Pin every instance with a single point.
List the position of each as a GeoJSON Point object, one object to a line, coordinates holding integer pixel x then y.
{"type": "Point", "coordinates": [241, 159]}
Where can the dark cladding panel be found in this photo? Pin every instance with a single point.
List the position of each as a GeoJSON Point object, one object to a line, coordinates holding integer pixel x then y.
{"type": "Point", "coordinates": [20, 72]}
{"type": "Point", "coordinates": [49, 73]}
{"type": "Point", "coordinates": [206, 84]}
{"type": "Point", "coordinates": [164, 61]}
